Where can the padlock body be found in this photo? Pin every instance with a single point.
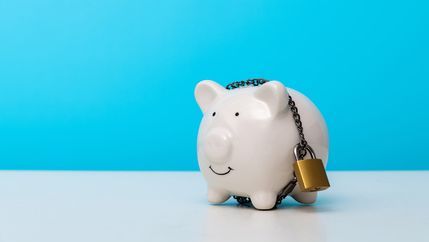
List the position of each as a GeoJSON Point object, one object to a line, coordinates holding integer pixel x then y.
{"type": "Point", "coordinates": [311, 175]}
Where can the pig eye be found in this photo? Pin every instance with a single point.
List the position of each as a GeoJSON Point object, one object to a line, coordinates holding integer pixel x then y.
{"type": "Point", "coordinates": [214, 114]}
{"type": "Point", "coordinates": [236, 114]}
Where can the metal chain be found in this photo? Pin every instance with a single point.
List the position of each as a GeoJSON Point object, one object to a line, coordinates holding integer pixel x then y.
{"type": "Point", "coordinates": [250, 82]}
{"type": "Point", "coordinates": [297, 118]}
{"type": "Point", "coordinates": [301, 145]}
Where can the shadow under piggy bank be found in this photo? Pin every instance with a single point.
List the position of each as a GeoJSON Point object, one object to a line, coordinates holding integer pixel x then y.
{"type": "Point", "coordinates": [239, 223]}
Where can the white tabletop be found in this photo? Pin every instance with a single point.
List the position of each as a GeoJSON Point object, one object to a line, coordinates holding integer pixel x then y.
{"type": "Point", "coordinates": [171, 206]}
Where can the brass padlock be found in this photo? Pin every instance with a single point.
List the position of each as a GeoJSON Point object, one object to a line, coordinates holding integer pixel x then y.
{"type": "Point", "coordinates": [310, 173]}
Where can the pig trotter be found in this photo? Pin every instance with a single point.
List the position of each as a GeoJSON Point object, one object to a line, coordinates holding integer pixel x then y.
{"type": "Point", "coordinates": [305, 197]}
{"type": "Point", "coordinates": [217, 196]}
{"type": "Point", "coordinates": [264, 200]}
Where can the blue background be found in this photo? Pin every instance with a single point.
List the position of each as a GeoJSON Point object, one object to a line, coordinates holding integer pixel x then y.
{"type": "Point", "coordinates": [108, 85]}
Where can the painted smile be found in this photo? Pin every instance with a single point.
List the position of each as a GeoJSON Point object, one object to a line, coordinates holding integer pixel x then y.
{"type": "Point", "coordinates": [221, 174]}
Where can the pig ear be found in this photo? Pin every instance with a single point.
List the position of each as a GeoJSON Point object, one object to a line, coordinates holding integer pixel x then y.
{"type": "Point", "coordinates": [206, 93]}
{"type": "Point", "coordinates": [275, 95]}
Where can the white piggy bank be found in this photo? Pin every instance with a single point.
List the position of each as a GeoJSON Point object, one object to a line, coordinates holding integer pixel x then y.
{"type": "Point", "coordinates": [246, 140]}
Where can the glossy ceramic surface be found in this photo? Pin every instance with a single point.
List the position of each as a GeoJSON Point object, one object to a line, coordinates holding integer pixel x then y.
{"type": "Point", "coordinates": [246, 140]}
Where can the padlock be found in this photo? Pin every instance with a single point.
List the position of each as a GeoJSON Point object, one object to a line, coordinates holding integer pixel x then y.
{"type": "Point", "coordinates": [310, 173]}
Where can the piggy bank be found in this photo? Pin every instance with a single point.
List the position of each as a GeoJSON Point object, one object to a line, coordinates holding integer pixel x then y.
{"type": "Point", "coordinates": [246, 141]}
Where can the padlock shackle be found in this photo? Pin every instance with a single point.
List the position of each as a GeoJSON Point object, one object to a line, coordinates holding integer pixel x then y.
{"type": "Point", "coordinates": [307, 147]}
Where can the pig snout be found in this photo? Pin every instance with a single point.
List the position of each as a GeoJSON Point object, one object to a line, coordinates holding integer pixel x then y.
{"type": "Point", "coordinates": [218, 145]}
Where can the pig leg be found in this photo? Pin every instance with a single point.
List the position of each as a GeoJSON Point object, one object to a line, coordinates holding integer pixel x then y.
{"type": "Point", "coordinates": [217, 196]}
{"type": "Point", "coordinates": [305, 197]}
{"type": "Point", "coordinates": [264, 200]}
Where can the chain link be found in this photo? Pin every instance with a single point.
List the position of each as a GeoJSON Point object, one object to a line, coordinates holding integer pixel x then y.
{"type": "Point", "coordinates": [301, 145]}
